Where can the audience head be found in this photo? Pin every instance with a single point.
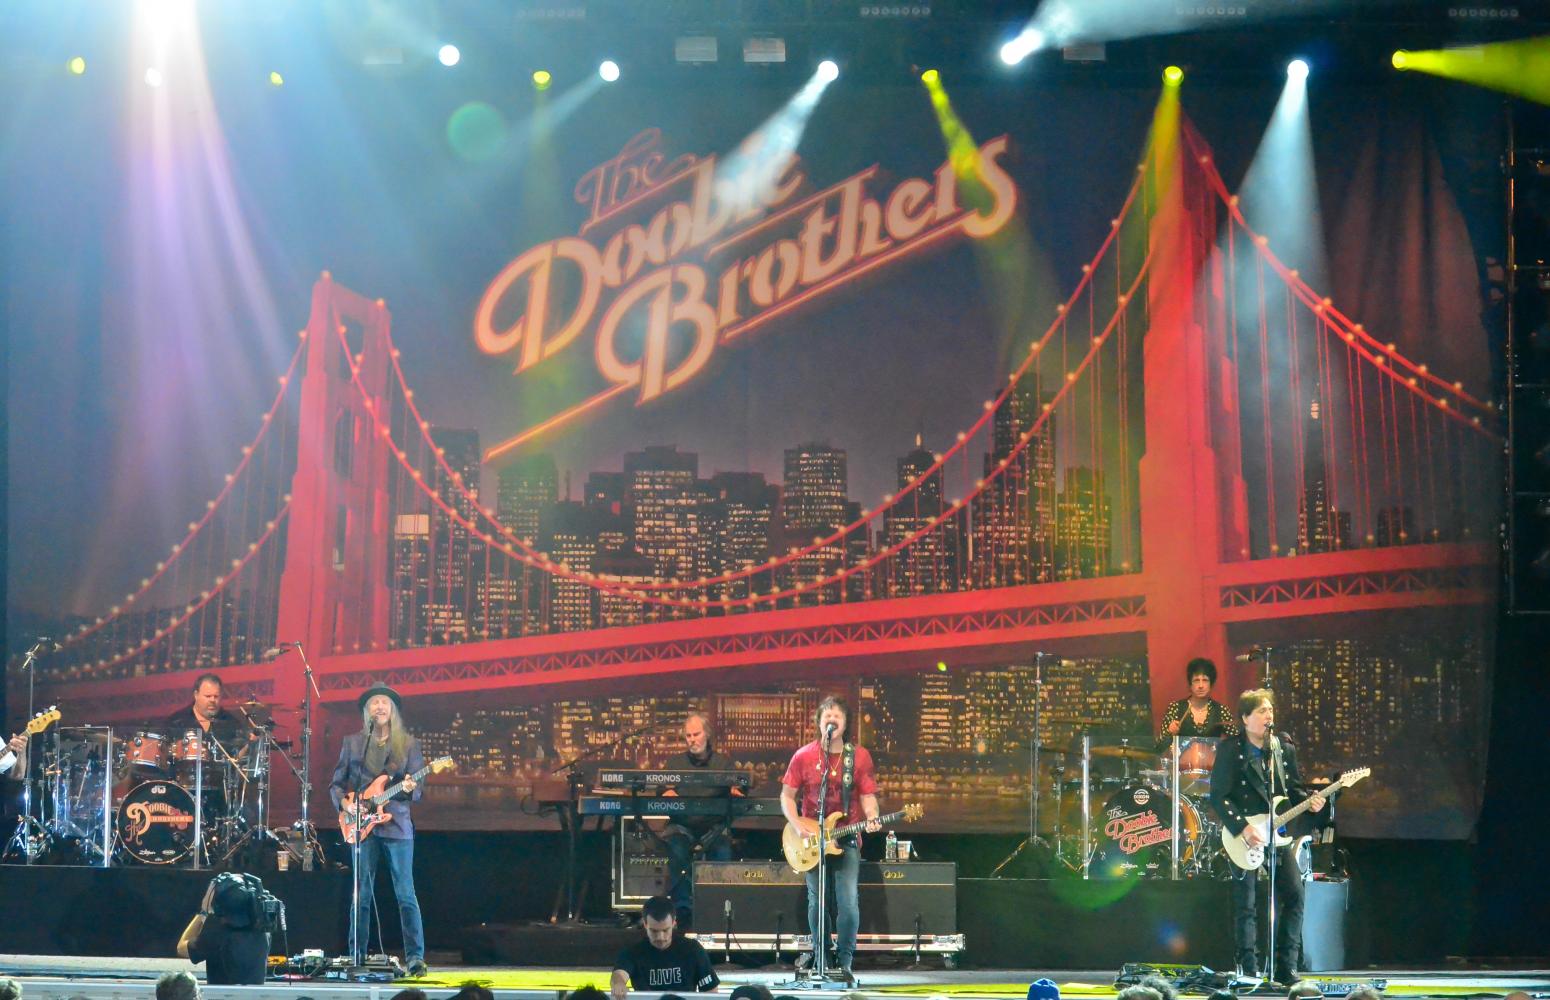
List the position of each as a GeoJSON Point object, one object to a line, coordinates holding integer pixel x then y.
{"type": "Point", "coordinates": [1162, 986]}
{"type": "Point", "coordinates": [1043, 989]}
{"type": "Point", "coordinates": [410, 993]}
{"type": "Point", "coordinates": [590, 992]}
{"type": "Point", "coordinates": [1364, 993]}
{"type": "Point", "coordinates": [1139, 993]}
{"type": "Point", "coordinates": [752, 991]}
{"type": "Point", "coordinates": [1303, 990]}
{"type": "Point", "coordinates": [177, 986]}
{"type": "Point", "coordinates": [473, 991]}
{"type": "Point", "coordinates": [10, 989]}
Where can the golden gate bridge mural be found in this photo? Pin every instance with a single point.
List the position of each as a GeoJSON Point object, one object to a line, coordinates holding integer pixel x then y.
{"type": "Point", "coordinates": [1199, 452]}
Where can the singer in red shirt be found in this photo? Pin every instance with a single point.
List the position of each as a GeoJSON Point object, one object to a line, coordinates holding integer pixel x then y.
{"type": "Point", "coordinates": [852, 790]}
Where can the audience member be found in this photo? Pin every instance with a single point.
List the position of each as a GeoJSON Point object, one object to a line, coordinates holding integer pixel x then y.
{"type": "Point", "coordinates": [1162, 986]}
{"type": "Point", "coordinates": [662, 961]}
{"type": "Point", "coordinates": [473, 991]}
{"type": "Point", "coordinates": [177, 986]}
{"type": "Point", "coordinates": [752, 991]}
{"type": "Point", "coordinates": [590, 992]}
{"type": "Point", "coordinates": [10, 989]}
{"type": "Point", "coordinates": [1139, 993]}
{"type": "Point", "coordinates": [1304, 990]}
{"type": "Point", "coordinates": [1364, 993]}
{"type": "Point", "coordinates": [410, 993]}
{"type": "Point", "coordinates": [1043, 989]}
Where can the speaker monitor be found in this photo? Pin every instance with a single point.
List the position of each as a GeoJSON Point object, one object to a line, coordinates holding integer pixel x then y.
{"type": "Point", "coordinates": [767, 896]}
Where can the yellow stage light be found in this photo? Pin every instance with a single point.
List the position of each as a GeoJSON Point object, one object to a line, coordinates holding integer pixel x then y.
{"type": "Point", "coordinates": [1173, 76]}
{"type": "Point", "coordinates": [542, 79]}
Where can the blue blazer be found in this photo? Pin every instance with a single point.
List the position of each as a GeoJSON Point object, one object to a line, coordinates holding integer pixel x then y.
{"type": "Point", "coordinates": [350, 774]}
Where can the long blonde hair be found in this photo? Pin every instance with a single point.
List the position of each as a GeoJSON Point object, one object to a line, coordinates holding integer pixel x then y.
{"type": "Point", "coordinates": [398, 733]}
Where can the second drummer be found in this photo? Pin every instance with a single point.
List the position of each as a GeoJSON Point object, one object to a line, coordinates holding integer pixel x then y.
{"type": "Point", "coordinates": [1199, 714]}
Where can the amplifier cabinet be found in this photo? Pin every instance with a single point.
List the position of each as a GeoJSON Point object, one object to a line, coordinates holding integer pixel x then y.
{"type": "Point", "coordinates": [640, 866]}
{"type": "Point", "coordinates": [767, 897]}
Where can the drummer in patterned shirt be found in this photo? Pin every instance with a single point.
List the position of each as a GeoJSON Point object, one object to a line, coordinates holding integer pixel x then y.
{"type": "Point", "coordinates": [1199, 714]}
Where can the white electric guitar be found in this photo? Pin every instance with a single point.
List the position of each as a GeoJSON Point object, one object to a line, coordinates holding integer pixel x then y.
{"type": "Point", "coordinates": [1249, 858]}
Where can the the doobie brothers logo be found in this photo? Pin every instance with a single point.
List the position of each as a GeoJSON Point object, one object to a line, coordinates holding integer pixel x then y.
{"type": "Point", "coordinates": [716, 257]}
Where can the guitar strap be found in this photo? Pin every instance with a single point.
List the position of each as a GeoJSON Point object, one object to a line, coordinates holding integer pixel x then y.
{"type": "Point", "coordinates": [847, 777]}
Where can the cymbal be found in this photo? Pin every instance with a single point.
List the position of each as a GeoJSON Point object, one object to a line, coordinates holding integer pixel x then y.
{"type": "Point", "coordinates": [256, 711]}
{"type": "Point", "coordinates": [1128, 753]}
{"type": "Point", "coordinates": [1090, 722]}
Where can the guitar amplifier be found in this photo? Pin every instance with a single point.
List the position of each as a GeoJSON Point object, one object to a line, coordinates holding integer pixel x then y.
{"type": "Point", "coordinates": [767, 897]}
{"type": "Point", "coordinates": [640, 866]}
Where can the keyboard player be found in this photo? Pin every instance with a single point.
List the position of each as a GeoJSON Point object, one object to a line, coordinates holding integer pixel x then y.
{"type": "Point", "coordinates": [688, 838]}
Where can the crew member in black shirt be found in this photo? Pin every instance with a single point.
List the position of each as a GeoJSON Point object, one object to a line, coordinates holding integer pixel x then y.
{"type": "Point", "coordinates": [663, 962]}
{"type": "Point", "coordinates": [227, 934]}
{"type": "Point", "coordinates": [685, 834]}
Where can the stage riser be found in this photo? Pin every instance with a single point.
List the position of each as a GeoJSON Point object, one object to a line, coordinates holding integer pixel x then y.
{"type": "Point", "coordinates": [141, 911]}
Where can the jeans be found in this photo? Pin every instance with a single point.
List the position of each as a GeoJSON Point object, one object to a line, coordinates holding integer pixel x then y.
{"type": "Point", "coordinates": [1288, 944]}
{"type": "Point", "coordinates": [680, 855]}
{"type": "Point", "coordinates": [400, 861]}
{"type": "Point", "coordinates": [844, 871]}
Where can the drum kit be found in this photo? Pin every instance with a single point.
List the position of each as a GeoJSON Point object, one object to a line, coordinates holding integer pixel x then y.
{"type": "Point", "coordinates": [154, 795]}
{"type": "Point", "coordinates": [1149, 820]}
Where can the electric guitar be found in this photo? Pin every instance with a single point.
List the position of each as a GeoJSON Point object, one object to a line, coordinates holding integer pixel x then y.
{"type": "Point", "coordinates": [802, 848]}
{"type": "Point", "coordinates": [39, 722]}
{"type": "Point", "coordinates": [374, 797]}
{"type": "Point", "coordinates": [1249, 858]}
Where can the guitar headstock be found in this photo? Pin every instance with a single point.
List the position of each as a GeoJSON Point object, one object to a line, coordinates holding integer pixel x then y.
{"type": "Point", "coordinates": [441, 764]}
{"type": "Point", "coordinates": [913, 811]}
{"type": "Point", "coordinates": [42, 721]}
{"type": "Point", "coordinates": [1354, 775]}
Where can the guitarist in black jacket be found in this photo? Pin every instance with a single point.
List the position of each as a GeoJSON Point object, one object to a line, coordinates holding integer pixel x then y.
{"type": "Point", "coordinates": [1251, 769]}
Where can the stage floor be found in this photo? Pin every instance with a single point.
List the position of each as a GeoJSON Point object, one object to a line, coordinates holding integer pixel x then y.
{"type": "Point", "coordinates": [53, 977]}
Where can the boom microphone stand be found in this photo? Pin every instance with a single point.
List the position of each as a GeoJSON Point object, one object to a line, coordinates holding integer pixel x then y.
{"type": "Point", "coordinates": [1033, 839]}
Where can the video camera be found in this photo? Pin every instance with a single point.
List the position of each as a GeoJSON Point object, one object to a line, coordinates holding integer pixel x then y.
{"type": "Point", "coordinates": [241, 901]}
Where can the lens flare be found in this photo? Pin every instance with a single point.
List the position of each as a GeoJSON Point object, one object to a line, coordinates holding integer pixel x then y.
{"type": "Point", "coordinates": [1297, 69]}
{"type": "Point", "coordinates": [930, 76]}
{"type": "Point", "coordinates": [542, 79]}
{"type": "Point", "coordinates": [275, 79]}
{"type": "Point", "coordinates": [1173, 76]}
{"type": "Point", "coordinates": [828, 70]}
{"type": "Point", "coordinates": [77, 65]}
{"type": "Point", "coordinates": [1400, 59]}
{"type": "Point", "coordinates": [449, 55]}
{"type": "Point", "coordinates": [608, 70]}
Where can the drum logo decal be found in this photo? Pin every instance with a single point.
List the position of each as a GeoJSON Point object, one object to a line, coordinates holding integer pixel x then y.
{"type": "Point", "coordinates": [1136, 831]}
{"type": "Point", "coordinates": [142, 815]}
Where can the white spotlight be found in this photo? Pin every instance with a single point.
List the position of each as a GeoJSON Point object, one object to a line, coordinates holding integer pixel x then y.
{"type": "Point", "coordinates": [449, 55]}
{"type": "Point", "coordinates": [1297, 69]}
{"type": "Point", "coordinates": [828, 70]}
{"type": "Point", "coordinates": [608, 70]}
{"type": "Point", "coordinates": [1021, 47]}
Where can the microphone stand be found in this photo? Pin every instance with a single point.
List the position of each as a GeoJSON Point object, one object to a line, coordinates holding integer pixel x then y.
{"type": "Point", "coordinates": [821, 932]}
{"type": "Point", "coordinates": [357, 948]}
{"type": "Point", "coordinates": [311, 688]}
{"type": "Point", "coordinates": [1273, 746]}
{"type": "Point", "coordinates": [1033, 838]}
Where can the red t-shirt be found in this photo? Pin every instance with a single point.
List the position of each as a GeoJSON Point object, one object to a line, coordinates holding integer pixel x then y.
{"type": "Point", "coordinates": [806, 771]}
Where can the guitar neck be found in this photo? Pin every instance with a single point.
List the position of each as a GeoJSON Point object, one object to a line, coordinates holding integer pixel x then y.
{"type": "Point", "coordinates": [850, 828]}
{"type": "Point", "coordinates": [392, 790]}
{"type": "Point", "coordinates": [1302, 807]}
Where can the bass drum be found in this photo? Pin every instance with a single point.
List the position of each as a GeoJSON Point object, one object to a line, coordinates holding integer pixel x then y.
{"type": "Point", "coordinates": [1134, 834]}
{"type": "Point", "coordinates": [156, 823]}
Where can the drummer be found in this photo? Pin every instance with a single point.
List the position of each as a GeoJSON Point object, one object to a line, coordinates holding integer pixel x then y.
{"type": "Point", "coordinates": [205, 712]}
{"type": "Point", "coordinates": [1199, 714]}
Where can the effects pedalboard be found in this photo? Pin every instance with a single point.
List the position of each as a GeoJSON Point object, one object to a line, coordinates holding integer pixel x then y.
{"type": "Point", "coordinates": [313, 964]}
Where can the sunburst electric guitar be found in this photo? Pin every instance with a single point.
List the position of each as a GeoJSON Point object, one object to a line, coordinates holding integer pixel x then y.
{"type": "Point", "coordinates": [1249, 858]}
{"type": "Point", "coordinates": [802, 848]}
{"type": "Point", "coordinates": [39, 722]}
{"type": "Point", "coordinates": [374, 799]}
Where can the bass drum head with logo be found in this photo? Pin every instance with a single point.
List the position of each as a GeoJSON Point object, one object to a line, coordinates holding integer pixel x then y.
{"type": "Point", "coordinates": [1134, 833]}
{"type": "Point", "coordinates": [156, 823]}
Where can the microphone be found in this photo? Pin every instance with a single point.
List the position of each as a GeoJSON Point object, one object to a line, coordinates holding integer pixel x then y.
{"type": "Point", "coordinates": [275, 652]}
{"type": "Point", "coordinates": [1056, 660]}
{"type": "Point", "coordinates": [1253, 653]}
{"type": "Point", "coordinates": [830, 728]}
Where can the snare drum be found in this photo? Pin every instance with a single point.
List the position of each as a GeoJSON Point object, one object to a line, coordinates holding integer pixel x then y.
{"type": "Point", "coordinates": [144, 751]}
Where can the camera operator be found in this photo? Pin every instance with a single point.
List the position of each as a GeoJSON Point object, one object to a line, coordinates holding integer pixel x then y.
{"type": "Point", "coordinates": [234, 945]}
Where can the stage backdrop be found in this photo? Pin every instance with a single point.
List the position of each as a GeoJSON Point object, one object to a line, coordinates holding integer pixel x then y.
{"type": "Point", "coordinates": [730, 400]}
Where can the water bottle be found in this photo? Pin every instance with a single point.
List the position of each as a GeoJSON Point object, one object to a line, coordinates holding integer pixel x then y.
{"type": "Point", "coordinates": [891, 852]}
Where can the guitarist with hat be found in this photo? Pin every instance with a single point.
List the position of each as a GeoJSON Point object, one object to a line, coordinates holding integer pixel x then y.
{"type": "Point", "coordinates": [384, 747]}
{"type": "Point", "coordinates": [1252, 769]}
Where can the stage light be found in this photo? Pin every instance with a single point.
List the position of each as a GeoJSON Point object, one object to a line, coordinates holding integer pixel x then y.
{"type": "Point", "coordinates": [930, 76]}
{"type": "Point", "coordinates": [1029, 41]}
{"type": "Point", "coordinates": [275, 79]}
{"type": "Point", "coordinates": [941, 667]}
{"type": "Point", "coordinates": [1400, 59]}
{"type": "Point", "coordinates": [153, 77]}
{"type": "Point", "coordinates": [542, 79]}
{"type": "Point", "coordinates": [828, 71]}
{"type": "Point", "coordinates": [608, 70]}
{"type": "Point", "coordinates": [449, 55]}
{"type": "Point", "coordinates": [1173, 76]}
{"type": "Point", "coordinates": [77, 65]}
{"type": "Point", "coordinates": [1297, 69]}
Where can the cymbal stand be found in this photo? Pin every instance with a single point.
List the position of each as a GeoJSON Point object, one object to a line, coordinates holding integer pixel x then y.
{"type": "Point", "coordinates": [30, 838]}
{"type": "Point", "coordinates": [1087, 815]}
{"type": "Point", "coordinates": [1033, 839]}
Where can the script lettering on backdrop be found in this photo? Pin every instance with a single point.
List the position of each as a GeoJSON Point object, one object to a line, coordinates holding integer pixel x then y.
{"type": "Point", "coordinates": [715, 257]}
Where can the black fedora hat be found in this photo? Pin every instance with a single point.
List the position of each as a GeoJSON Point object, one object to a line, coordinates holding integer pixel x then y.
{"type": "Point", "coordinates": [376, 689]}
